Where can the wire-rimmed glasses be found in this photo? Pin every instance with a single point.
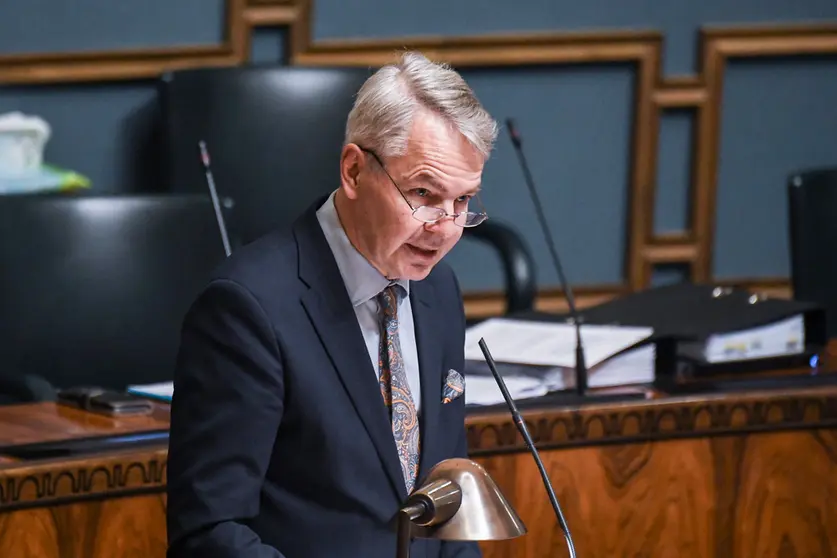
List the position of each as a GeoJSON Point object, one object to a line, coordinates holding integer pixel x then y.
{"type": "Point", "coordinates": [428, 213]}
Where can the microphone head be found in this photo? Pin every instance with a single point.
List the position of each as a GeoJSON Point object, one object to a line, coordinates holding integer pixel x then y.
{"type": "Point", "coordinates": [204, 153]}
{"type": "Point", "coordinates": [513, 134]}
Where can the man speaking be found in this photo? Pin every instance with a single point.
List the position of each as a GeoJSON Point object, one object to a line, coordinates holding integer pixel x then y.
{"type": "Point", "coordinates": [319, 376]}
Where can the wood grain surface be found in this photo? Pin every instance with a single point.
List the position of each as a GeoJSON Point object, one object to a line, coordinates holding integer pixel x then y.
{"type": "Point", "coordinates": [108, 528]}
{"type": "Point", "coordinates": [758, 495]}
{"type": "Point", "coordinates": [47, 422]}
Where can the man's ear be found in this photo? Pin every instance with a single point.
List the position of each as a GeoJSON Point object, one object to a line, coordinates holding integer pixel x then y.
{"type": "Point", "coordinates": [352, 162]}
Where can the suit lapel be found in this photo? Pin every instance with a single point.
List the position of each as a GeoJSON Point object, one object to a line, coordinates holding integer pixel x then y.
{"type": "Point", "coordinates": [426, 320]}
{"type": "Point", "coordinates": [330, 310]}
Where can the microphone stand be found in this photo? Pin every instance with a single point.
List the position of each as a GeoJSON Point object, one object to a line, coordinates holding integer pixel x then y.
{"type": "Point", "coordinates": [580, 393]}
{"type": "Point", "coordinates": [213, 192]}
{"type": "Point", "coordinates": [580, 363]}
{"type": "Point", "coordinates": [527, 438]}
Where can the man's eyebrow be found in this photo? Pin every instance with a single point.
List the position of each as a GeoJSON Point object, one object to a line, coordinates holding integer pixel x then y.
{"type": "Point", "coordinates": [428, 179]}
{"type": "Point", "coordinates": [436, 184]}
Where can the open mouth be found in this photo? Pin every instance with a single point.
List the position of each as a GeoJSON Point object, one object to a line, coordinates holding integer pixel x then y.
{"type": "Point", "coordinates": [422, 252]}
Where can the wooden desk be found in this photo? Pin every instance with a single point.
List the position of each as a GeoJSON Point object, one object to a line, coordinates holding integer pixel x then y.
{"type": "Point", "coordinates": [723, 476]}
{"type": "Point", "coordinates": [726, 476]}
{"type": "Point", "coordinates": [108, 504]}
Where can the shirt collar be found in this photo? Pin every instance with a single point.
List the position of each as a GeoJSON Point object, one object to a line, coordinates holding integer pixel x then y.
{"type": "Point", "coordinates": [363, 282]}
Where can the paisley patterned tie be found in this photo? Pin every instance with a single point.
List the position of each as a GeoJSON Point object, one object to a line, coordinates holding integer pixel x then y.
{"type": "Point", "coordinates": [394, 386]}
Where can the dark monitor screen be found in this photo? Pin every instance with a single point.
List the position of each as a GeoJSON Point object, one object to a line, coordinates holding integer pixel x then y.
{"type": "Point", "coordinates": [274, 134]}
{"type": "Point", "coordinates": [812, 233]}
{"type": "Point", "coordinates": [93, 290]}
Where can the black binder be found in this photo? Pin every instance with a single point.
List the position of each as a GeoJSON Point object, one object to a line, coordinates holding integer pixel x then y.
{"type": "Point", "coordinates": [694, 312]}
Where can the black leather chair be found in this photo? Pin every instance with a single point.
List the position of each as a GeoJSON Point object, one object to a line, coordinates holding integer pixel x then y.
{"type": "Point", "coordinates": [273, 133]}
{"type": "Point", "coordinates": [17, 387]}
{"type": "Point", "coordinates": [518, 265]}
{"type": "Point", "coordinates": [812, 220]}
{"type": "Point", "coordinates": [94, 288]}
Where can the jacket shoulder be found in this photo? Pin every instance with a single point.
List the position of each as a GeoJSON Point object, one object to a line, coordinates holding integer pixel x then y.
{"type": "Point", "coordinates": [268, 264]}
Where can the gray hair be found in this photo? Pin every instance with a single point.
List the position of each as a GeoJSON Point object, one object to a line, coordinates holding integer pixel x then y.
{"type": "Point", "coordinates": [382, 115]}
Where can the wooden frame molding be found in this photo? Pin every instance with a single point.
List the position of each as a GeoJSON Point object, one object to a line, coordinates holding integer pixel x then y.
{"type": "Point", "coordinates": [22, 69]}
{"type": "Point", "coordinates": [680, 92]}
{"type": "Point", "coordinates": [480, 305]}
{"type": "Point", "coordinates": [718, 46]}
{"type": "Point", "coordinates": [23, 485]}
{"type": "Point", "coordinates": [491, 432]}
{"type": "Point", "coordinates": [490, 50]}
{"type": "Point", "coordinates": [488, 304]}
{"type": "Point", "coordinates": [654, 94]}
{"type": "Point", "coordinates": [134, 64]}
{"type": "Point", "coordinates": [703, 94]}
{"type": "Point", "coordinates": [242, 16]}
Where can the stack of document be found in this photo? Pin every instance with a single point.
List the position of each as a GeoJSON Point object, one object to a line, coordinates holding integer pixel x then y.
{"type": "Point", "coordinates": [780, 338]}
{"type": "Point", "coordinates": [715, 325]}
{"type": "Point", "coordinates": [537, 357]}
{"type": "Point", "coordinates": [630, 367]}
{"type": "Point", "coordinates": [482, 389]}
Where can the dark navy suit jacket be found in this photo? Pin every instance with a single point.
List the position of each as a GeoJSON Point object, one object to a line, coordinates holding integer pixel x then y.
{"type": "Point", "coordinates": [280, 444]}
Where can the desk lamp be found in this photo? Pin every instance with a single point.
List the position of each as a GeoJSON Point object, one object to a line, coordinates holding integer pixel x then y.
{"type": "Point", "coordinates": [458, 501]}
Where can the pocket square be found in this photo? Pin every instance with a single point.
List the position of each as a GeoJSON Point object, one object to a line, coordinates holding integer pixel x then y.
{"type": "Point", "coordinates": [454, 386]}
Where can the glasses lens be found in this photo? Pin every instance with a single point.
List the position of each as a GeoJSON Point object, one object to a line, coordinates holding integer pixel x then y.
{"type": "Point", "coordinates": [428, 214]}
{"type": "Point", "coordinates": [470, 219]}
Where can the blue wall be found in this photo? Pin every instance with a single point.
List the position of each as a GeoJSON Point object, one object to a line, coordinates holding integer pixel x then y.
{"type": "Point", "coordinates": [777, 115]}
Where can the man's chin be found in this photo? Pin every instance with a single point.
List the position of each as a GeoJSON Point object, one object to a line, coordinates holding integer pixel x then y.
{"type": "Point", "coordinates": [416, 264]}
{"type": "Point", "coordinates": [416, 271]}
{"type": "Point", "coordinates": [419, 273]}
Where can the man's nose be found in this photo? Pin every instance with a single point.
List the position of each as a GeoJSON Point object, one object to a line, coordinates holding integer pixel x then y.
{"type": "Point", "coordinates": [444, 226]}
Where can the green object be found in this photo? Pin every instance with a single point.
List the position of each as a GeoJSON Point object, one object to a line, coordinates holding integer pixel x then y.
{"type": "Point", "coordinates": [67, 179]}
{"type": "Point", "coordinates": [48, 178]}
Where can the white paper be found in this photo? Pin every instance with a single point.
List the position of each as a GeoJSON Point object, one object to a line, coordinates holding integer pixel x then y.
{"type": "Point", "coordinates": [548, 344]}
{"type": "Point", "coordinates": [778, 338]}
{"type": "Point", "coordinates": [634, 366]}
{"type": "Point", "coordinates": [483, 390]}
{"type": "Point", "coordinates": [162, 390]}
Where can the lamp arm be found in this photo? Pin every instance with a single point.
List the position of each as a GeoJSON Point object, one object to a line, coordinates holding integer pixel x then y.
{"type": "Point", "coordinates": [404, 531]}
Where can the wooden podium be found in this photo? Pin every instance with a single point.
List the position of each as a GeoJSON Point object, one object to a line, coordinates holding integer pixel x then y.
{"type": "Point", "coordinates": [723, 476]}
{"type": "Point", "coordinates": [729, 475]}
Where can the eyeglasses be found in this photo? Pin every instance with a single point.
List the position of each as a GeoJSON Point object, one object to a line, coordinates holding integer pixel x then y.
{"type": "Point", "coordinates": [427, 213]}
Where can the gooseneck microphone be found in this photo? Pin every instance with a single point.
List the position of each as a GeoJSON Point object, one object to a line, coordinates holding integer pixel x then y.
{"type": "Point", "coordinates": [210, 181]}
{"type": "Point", "coordinates": [580, 363]}
{"type": "Point", "coordinates": [521, 426]}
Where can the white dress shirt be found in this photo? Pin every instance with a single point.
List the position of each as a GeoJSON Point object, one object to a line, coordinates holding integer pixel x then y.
{"type": "Point", "coordinates": [364, 283]}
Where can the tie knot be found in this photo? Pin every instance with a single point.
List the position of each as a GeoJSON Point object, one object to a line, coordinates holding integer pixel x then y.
{"type": "Point", "coordinates": [389, 299]}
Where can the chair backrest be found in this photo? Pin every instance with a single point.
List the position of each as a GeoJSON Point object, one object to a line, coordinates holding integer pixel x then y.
{"type": "Point", "coordinates": [518, 265]}
{"type": "Point", "coordinates": [812, 212]}
{"type": "Point", "coordinates": [273, 134]}
{"type": "Point", "coordinates": [94, 288]}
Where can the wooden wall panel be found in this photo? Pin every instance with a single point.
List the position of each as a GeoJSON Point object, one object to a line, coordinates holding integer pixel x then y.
{"type": "Point", "coordinates": [654, 93]}
{"type": "Point", "coordinates": [132, 526]}
{"type": "Point", "coordinates": [769, 494]}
